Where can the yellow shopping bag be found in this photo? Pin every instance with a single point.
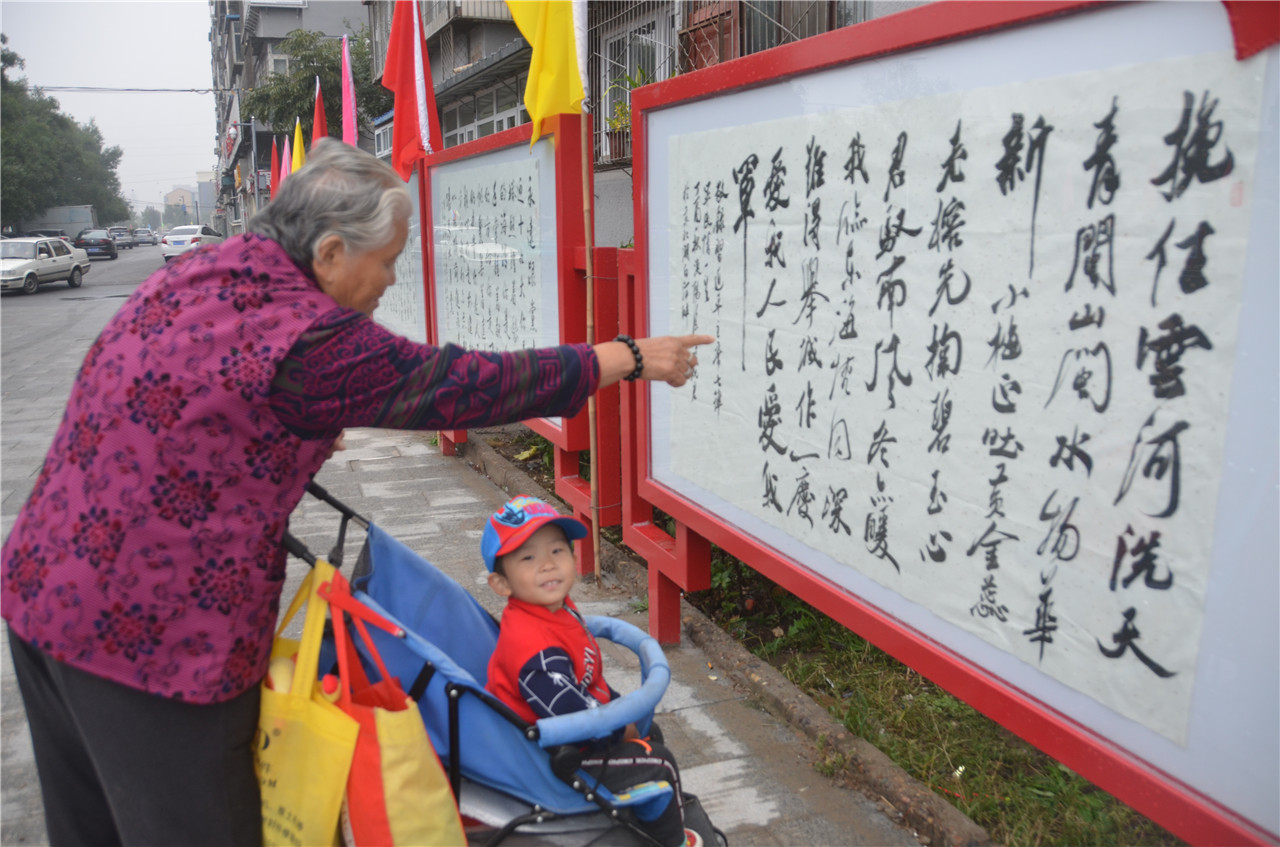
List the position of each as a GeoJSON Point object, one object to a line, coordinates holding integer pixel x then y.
{"type": "Point", "coordinates": [305, 743]}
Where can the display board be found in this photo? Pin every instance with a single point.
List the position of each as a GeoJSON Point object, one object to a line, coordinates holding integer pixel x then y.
{"type": "Point", "coordinates": [504, 232]}
{"type": "Point", "coordinates": [494, 248]}
{"type": "Point", "coordinates": [403, 307]}
{"type": "Point", "coordinates": [996, 360]}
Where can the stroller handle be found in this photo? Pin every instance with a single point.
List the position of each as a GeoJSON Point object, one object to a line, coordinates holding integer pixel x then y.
{"type": "Point", "coordinates": [298, 549]}
{"type": "Point", "coordinates": [636, 707]}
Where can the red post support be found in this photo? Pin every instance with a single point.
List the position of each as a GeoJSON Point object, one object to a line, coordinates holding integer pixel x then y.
{"type": "Point", "coordinates": [675, 564]}
{"type": "Point", "coordinates": [664, 607]}
{"type": "Point", "coordinates": [450, 439]}
{"type": "Point", "coordinates": [570, 485]}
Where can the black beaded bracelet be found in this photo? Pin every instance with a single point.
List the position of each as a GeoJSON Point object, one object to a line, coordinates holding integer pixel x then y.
{"type": "Point", "coordinates": [635, 351]}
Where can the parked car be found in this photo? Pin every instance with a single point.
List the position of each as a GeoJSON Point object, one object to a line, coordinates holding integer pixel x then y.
{"type": "Point", "coordinates": [122, 235]}
{"type": "Point", "coordinates": [49, 233]}
{"type": "Point", "coordinates": [98, 242]}
{"type": "Point", "coordinates": [144, 235]}
{"type": "Point", "coordinates": [180, 239]}
{"type": "Point", "coordinates": [27, 263]}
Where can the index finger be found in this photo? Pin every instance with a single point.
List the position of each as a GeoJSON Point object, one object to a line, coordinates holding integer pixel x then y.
{"type": "Point", "coordinates": [696, 340]}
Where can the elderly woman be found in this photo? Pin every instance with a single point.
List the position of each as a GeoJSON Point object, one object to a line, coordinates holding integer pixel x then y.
{"type": "Point", "coordinates": [142, 579]}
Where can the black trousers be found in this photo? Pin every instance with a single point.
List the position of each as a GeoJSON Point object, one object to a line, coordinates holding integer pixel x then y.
{"type": "Point", "coordinates": [629, 763]}
{"type": "Point", "coordinates": [119, 766]}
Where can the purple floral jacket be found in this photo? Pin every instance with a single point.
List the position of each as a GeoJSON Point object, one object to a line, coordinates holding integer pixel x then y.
{"type": "Point", "coordinates": [149, 550]}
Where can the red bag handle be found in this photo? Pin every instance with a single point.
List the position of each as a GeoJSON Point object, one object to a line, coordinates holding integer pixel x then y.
{"type": "Point", "coordinates": [337, 592]}
{"type": "Point", "coordinates": [350, 670]}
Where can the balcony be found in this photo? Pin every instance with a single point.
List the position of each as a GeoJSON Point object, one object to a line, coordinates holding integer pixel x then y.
{"type": "Point", "coordinates": [437, 14]}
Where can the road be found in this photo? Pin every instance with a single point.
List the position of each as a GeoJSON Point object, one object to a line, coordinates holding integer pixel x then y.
{"type": "Point", "coordinates": [43, 339]}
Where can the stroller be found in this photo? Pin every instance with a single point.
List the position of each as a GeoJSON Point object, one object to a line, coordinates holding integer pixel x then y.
{"type": "Point", "coordinates": [506, 774]}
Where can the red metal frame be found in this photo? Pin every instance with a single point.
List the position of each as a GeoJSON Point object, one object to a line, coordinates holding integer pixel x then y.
{"type": "Point", "coordinates": [675, 563]}
{"type": "Point", "coordinates": [571, 486]}
{"type": "Point", "coordinates": [683, 562]}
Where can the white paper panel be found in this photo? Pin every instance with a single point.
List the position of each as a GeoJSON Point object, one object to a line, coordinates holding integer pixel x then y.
{"type": "Point", "coordinates": [495, 249]}
{"type": "Point", "coordinates": [978, 446]}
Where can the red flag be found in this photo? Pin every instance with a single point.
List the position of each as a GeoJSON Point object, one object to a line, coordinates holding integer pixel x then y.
{"type": "Point", "coordinates": [275, 166]}
{"type": "Point", "coordinates": [319, 126]}
{"type": "Point", "coordinates": [416, 127]}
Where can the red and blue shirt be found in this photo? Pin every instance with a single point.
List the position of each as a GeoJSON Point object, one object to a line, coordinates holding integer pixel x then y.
{"type": "Point", "coordinates": [546, 663]}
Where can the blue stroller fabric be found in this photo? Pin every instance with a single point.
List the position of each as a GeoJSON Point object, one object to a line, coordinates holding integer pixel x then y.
{"type": "Point", "coordinates": [448, 628]}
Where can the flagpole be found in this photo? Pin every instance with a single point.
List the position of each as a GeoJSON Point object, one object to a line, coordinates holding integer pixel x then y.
{"type": "Point", "coordinates": [550, 28]}
{"type": "Point", "coordinates": [588, 155]}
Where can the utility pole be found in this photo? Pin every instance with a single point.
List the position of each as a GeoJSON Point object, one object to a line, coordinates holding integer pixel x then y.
{"type": "Point", "coordinates": [253, 138]}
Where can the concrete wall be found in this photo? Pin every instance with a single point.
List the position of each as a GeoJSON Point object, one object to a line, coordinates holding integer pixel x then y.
{"type": "Point", "coordinates": [69, 219]}
{"type": "Point", "coordinates": [326, 17]}
{"type": "Point", "coordinates": [880, 8]}
{"type": "Point", "coordinates": [493, 37]}
{"type": "Point", "coordinates": [613, 208]}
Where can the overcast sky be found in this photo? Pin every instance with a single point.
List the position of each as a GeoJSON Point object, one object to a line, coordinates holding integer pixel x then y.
{"type": "Point", "coordinates": [166, 138]}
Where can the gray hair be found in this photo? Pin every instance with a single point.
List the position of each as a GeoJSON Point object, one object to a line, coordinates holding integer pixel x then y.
{"type": "Point", "coordinates": [341, 191]}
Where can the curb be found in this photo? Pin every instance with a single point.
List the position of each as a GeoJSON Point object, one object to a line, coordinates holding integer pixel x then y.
{"type": "Point", "coordinates": [864, 766]}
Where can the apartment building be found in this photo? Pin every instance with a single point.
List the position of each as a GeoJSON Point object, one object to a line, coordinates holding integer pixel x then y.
{"type": "Point", "coordinates": [245, 37]}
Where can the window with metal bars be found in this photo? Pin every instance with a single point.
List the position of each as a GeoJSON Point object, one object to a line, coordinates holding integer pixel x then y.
{"type": "Point", "coordinates": [632, 43]}
{"type": "Point", "coordinates": [488, 111]}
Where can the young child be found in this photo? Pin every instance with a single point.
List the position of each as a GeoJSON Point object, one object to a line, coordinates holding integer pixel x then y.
{"type": "Point", "coordinates": [547, 662]}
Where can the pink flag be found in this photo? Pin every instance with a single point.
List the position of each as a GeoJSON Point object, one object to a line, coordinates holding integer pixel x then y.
{"type": "Point", "coordinates": [348, 97]}
{"type": "Point", "coordinates": [286, 162]}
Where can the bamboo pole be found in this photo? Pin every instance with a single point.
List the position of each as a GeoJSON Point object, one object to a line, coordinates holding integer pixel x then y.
{"type": "Point", "coordinates": [588, 158]}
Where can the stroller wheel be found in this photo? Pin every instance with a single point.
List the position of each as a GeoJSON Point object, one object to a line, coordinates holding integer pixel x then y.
{"type": "Point", "coordinates": [695, 818]}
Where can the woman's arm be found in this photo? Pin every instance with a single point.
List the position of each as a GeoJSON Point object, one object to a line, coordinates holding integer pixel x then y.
{"type": "Point", "coordinates": [348, 371]}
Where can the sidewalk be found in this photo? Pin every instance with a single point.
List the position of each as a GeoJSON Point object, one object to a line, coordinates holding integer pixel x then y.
{"type": "Point", "coordinates": [745, 739]}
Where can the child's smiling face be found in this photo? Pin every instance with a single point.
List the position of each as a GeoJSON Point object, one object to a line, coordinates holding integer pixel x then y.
{"type": "Point", "coordinates": [540, 571]}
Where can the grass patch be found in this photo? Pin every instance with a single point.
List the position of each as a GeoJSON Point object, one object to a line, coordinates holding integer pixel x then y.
{"type": "Point", "coordinates": [1018, 794]}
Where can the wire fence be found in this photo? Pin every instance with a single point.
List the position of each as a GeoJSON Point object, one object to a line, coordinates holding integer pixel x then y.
{"type": "Point", "coordinates": [635, 43]}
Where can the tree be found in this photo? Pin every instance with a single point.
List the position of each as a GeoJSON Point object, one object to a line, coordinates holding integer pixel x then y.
{"type": "Point", "coordinates": [176, 215]}
{"type": "Point", "coordinates": [47, 158]}
{"type": "Point", "coordinates": [283, 98]}
{"type": "Point", "coordinates": [151, 218]}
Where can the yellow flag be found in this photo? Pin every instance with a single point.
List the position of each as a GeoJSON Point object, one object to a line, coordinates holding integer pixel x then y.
{"type": "Point", "coordinates": [555, 80]}
{"type": "Point", "coordinates": [299, 155]}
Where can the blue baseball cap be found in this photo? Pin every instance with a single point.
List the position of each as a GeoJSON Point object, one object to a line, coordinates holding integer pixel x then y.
{"type": "Point", "coordinates": [520, 518]}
